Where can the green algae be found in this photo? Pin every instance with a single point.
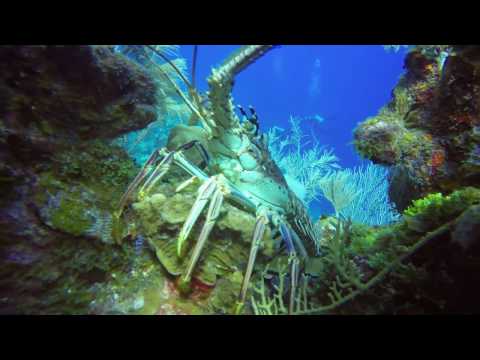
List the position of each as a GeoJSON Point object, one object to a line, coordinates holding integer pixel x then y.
{"type": "Point", "coordinates": [97, 162]}
{"type": "Point", "coordinates": [71, 217]}
{"type": "Point", "coordinates": [435, 208]}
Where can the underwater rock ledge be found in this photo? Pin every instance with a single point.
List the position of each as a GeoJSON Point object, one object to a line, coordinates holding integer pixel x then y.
{"type": "Point", "coordinates": [52, 95]}
{"type": "Point", "coordinates": [430, 131]}
{"type": "Point", "coordinates": [60, 178]}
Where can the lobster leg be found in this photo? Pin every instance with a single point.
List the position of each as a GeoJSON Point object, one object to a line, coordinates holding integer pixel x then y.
{"type": "Point", "coordinates": [290, 237]}
{"type": "Point", "coordinates": [138, 179]}
{"type": "Point", "coordinates": [259, 231]}
{"type": "Point", "coordinates": [292, 261]}
{"type": "Point", "coordinates": [294, 269]}
{"type": "Point", "coordinates": [156, 175]}
{"type": "Point", "coordinates": [165, 164]}
{"type": "Point", "coordinates": [212, 216]}
{"type": "Point", "coordinates": [152, 177]}
{"type": "Point", "coordinates": [205, 192]}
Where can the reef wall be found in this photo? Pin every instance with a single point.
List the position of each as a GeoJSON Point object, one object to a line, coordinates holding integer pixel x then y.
{"type": "Point", "coordinates": [429, 137]}
{"type": "Point", "coordinates": [60, 178]}
{"type": "Point", "coordinates": [429, 132]}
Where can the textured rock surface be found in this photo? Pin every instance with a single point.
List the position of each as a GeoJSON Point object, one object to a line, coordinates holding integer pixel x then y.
{"type": "Point", "coordinates": [58, 235]}
{"type": "Point", "coordinates": [50, 95]}
{"type": "Point", "coordinates": [59, 186]}
{"type": "Point", "coordinates": [430, 130]}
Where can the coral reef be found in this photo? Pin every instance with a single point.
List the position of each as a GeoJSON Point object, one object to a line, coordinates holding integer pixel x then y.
{"type": "Point", "coordinates": [217, 280]}
{"type": "Point", "coordinates": [59, 232]}
{"type": "Point", "coordinates": [64, 250]}
{"type": "Point", "coordinates": [425, 263]}
{"type": "Point", "coordinates": [52, 95]}
{"type": "Point", "coordinates": [428, 135]}
{"type": "Point", "coordinates": [429, 131]}
{"type": "Point", "coordinates": [60, 177]}
{"type": "Point", "coordinates": [303, 168]}
{"type": "Point", "coordinates": [370, 205]}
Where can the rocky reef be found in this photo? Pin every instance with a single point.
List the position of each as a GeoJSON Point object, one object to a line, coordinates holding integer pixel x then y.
{"type": "Point", "coordinates": [64, 249]}
{"type": "Point", "coordinates": [429, 132]}
{"type": "Point", "coordinates": [425, 264]}
{"type": "Point", "coordinates": [428, 136]}
{"type": "Point", "coordinates": [60, 178]}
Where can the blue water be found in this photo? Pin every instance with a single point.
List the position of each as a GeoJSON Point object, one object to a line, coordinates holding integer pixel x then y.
{"type": "Point", "coordinates": [343, 84]}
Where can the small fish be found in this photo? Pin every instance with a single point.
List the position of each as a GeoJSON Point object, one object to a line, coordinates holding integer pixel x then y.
{"type": "Point", "coordinates": [317, 118]}
{"type": "Point", "coordinates": [139, 244]}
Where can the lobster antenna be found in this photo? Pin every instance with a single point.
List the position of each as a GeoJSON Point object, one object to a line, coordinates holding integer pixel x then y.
{"type": "Point", "coordinates": [193, 93]}
{"type": "Point", "coordinates": [194, 64]}
{"type": "Point", "coordinates": [208, 124]}
{"type": "Point", "coordinates": [177, 70]}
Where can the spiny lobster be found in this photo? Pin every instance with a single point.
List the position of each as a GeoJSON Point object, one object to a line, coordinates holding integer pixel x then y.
{"type": "Point", "coordinates": [245, 174]}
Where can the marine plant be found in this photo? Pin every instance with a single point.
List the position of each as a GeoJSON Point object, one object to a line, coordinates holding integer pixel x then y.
{"type": "Point", "coordinates": [357, 260]}
{"type": "Point", "coordinates": [266, 301]}
{"type": "Point", "coordinates": [364, 191]}
{"type": "Point", "coordinates": [313, 173]}
{"type": "Point", "coordinates": [338, 189]}
{"type": "Point", "coordinates": [304, 162]}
